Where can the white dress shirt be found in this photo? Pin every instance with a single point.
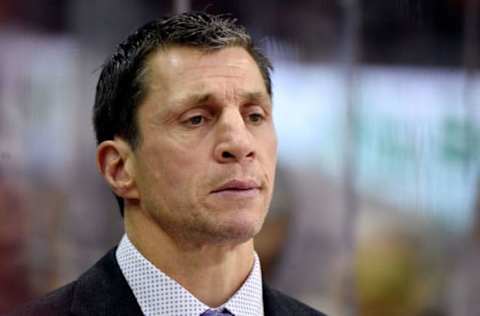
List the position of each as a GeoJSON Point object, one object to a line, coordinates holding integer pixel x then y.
{"type": "Point", "coordinates": [158, 294]}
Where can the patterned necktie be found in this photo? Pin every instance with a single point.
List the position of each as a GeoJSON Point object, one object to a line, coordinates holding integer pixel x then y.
{"type": "Point", "coordinates": [214, 312]}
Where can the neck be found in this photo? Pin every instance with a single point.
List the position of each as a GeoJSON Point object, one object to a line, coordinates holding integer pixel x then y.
{"type": "Point", "coordinates": [211, 272]}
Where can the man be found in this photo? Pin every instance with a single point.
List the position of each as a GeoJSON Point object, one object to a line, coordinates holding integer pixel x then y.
{"type": "Point", "coordinates": [186, 141]}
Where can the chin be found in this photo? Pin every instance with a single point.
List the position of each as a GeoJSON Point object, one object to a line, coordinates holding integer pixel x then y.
{"type": "Point", "coordinates": [239, 230]}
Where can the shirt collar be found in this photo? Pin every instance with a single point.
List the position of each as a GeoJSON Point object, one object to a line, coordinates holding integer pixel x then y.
{"type": "Point", "coordinates": [158, 294]}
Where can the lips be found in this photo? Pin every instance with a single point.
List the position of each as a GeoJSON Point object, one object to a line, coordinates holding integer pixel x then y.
{"type": "Point", "coordinates": [237, 186]}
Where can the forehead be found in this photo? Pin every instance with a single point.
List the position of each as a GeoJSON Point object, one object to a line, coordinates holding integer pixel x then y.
{"type": "Point", "coordinates": [187, 67]}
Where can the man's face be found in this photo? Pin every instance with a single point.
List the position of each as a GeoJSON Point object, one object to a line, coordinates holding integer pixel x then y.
{"type": "Point", "coordinates": [206, 161]}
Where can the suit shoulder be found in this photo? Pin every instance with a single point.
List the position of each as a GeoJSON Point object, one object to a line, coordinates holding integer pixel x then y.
{"type": "Point", "coordinates": [52, 304]}
{"type": "Point", "coordinates": [278, 303]}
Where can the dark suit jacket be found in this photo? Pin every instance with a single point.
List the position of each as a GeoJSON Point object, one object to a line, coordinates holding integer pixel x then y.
{"type": "Point", "coordinates": [103, 290]}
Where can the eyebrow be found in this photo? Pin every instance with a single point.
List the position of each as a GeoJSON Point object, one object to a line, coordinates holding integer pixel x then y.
{"type": "Point", "coordinates": [257, 97]}
{"type": "Point", "coordinates": [202, 98]}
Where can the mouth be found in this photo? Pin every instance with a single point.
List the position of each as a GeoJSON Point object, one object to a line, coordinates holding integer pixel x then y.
{"type": "Point", "coordinates": [241, 188]}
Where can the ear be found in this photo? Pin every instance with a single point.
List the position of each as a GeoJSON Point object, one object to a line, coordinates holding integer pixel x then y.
{"type": "Point", "coordinates": [115, 163]}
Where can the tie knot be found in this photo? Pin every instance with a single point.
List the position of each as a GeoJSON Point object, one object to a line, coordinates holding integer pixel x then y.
{"type": "Point", "coordinates": [216, 312]}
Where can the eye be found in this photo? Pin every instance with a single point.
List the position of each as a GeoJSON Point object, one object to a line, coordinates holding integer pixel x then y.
{"type": "Point", "coordinates": [196, 117]}
{"type": "Point", "coordinates": [255, 117]}
{"type": "Point", "coordinates": [196, 120]}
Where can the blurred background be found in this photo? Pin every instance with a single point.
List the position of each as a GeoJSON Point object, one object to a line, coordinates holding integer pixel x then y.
{"type": "Point", "coordinates": [377, 109]}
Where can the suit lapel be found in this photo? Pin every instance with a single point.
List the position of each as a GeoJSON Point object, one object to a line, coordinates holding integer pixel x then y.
{"type": "Point", "coordinates": [103, 290]}
{"type": "Point", "coordinates": [276, 303]}
{"type": "Point", "coordinates": [272, 304]}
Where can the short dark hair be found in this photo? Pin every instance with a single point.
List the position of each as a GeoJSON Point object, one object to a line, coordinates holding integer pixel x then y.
{"type": "Point", "coordinates": [120, 88]}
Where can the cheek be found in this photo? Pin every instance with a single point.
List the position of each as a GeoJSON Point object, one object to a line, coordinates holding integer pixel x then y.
{"type": "Point", "coordinates": [171, 169]}
{"type": "Point", "coordinates": [271, 158]}
{"type": "Point", "coordinates": [270, 146]}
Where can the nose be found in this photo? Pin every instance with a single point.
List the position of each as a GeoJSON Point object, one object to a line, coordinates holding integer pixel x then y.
{"type": "Point", "coordinates": [235, 142]}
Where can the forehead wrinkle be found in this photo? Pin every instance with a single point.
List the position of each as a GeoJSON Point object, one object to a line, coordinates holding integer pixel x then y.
{"type": "Point", "coordinates": [157, 80]}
